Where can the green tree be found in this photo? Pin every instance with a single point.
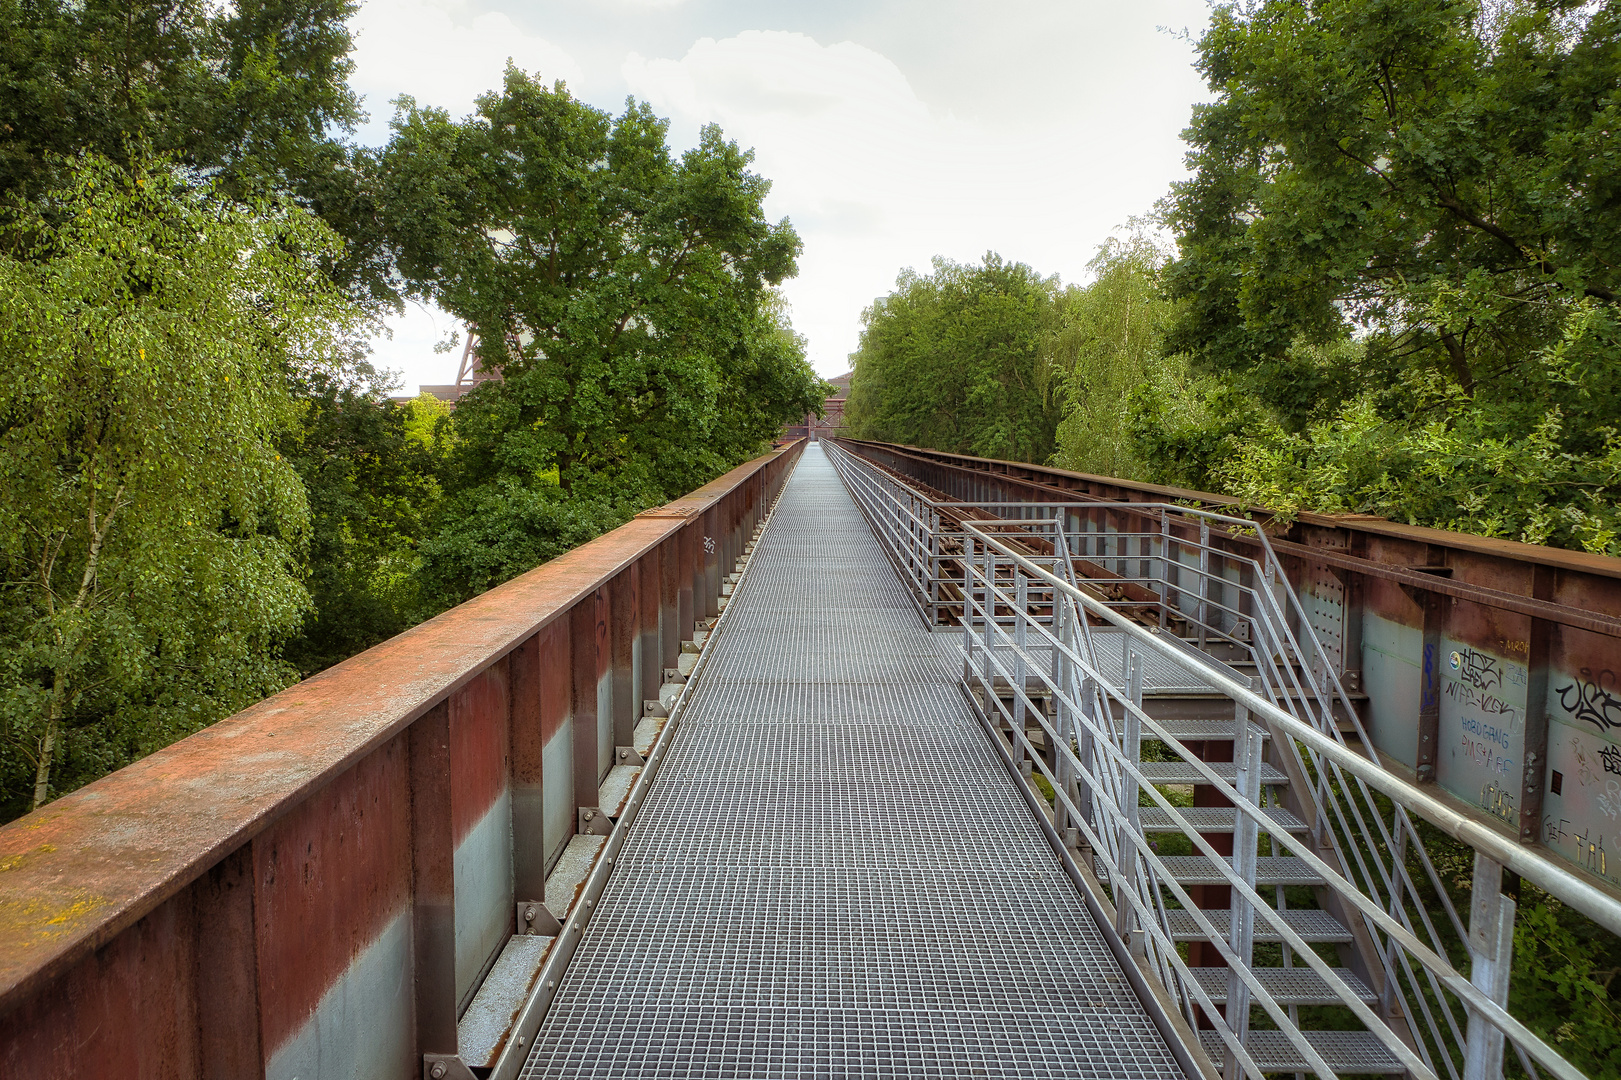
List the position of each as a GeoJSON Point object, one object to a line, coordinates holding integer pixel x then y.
{"type": "Point", "coordinates": [1107, 341]}
{"type": "Point", "coordinates": [250, 94]}
{"type": "Point", "coordinates": [1403, 238]}
{"type": "Point", "coordinates": [149, 527]}
{"type": "Point", "coordinates": [951, 360]}
{"type": "Point", "coordinates": [625, 296]}
{"type": "Point", "coordinates": [371, 469]}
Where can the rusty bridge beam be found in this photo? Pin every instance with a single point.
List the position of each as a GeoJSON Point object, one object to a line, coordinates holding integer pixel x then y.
{"type": "Point", "coordinates": [327, 875]}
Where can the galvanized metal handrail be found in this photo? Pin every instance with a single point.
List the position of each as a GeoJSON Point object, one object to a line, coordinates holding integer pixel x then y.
{"type": "Point", "coordinates": [1340, 806]}
{"type": "Point", "coordinates": [1000, 621]}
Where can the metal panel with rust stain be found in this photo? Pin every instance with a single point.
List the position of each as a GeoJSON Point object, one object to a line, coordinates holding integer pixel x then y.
{"type": "Point", "coordinates": [181, 809]}
{"type": "Point", "coordinates": [1483, 675]}
{"type": "Point", "coordinates": [330, 877]}
{"type": "Point", "coordinates": [528, 770]}
{"type": "Point", "coordinates": [555, 674]}
{"type": "Point", "coordinates": [1581, 810]}
{"type": "Point", "coordinates": [481, 822]}
{"type": "Point", "coordinates": [141, 982]}
{"type": "Point", "coordinates": [624, 649]}
{"type": "Point", "coordinates": [602, 637]}
{"type": "Point", "coordinates": [649, 658]}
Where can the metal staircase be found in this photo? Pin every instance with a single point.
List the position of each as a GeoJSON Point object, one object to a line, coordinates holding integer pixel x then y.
{"type": "Point", "coordinates": [1159, 685]}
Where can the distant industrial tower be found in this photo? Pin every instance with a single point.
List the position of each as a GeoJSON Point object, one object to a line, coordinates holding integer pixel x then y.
{"type": "Point", "coordinates": [469, 373]}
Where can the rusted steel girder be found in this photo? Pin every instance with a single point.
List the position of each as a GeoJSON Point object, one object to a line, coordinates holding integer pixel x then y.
{"type": "Point", "coordinates": [324, 875]}
{"type": "Point", "coordinates": [1491, 667]}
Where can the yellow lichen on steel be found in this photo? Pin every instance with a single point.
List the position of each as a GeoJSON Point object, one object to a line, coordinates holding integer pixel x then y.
{"type": "Point", "coordinates": [23, 856]}
{"type": "Point", "coordinates": [35, 922]}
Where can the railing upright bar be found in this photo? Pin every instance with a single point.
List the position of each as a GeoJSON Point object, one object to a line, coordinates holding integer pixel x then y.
{"type": "Point", "coordinates": [1047, 602]}
{"type": "Point", "coordinates": [1246, 837]}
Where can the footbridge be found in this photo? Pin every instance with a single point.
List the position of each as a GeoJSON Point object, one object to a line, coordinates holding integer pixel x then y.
{"type": "Point", "coordinates": [862, 761]}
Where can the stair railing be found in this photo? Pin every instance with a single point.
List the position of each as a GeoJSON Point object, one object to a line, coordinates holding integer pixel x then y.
{"type": "Point", "coordinates": [1021, 654]}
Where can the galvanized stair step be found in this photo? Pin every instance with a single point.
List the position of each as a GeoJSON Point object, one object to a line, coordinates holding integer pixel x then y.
{"type": "Point", "coordinates": [1288, 986]}
{"type": "Point", "coordinates": [1205, 729]}
{"type": "Point", "coordinates": [1183, 772]}
{"type": "Point", "coordinates": [1348, 1053]}
{"type": "Point", "coordinates": [1316, 926]}
{"type": "Point", "coordinates": [1213, 819]}
{"type": "Point", "coordinates": [1198, 870]}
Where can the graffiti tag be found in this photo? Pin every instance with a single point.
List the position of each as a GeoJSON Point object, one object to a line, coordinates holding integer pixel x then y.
{"type": "Point", "coordinates": [1497, 802]}
{"type": "Point", "coordinates": [1609, 803]}
{"type": "Point", "coordinates": [1477, 669]}
{"type": "Point", "coordinates": [1490, 704]}
{"type": "Point", "coordinates": [1590, 698]}
{"type": "Point", "coordinates": [1611, 757]}
{"type": "Point", "coordinates": [1590, 851]}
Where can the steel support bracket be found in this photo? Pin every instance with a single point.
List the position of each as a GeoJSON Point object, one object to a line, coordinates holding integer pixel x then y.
{"type": "Point", "coordinates": [445, 1067]}
{"type": "Point", "coordinates": [535, 919]}
{"type": "Point", "coordinates": [627, 755]}
{"type": "Point", "coordinates": [652, 707]}
{"type": "Point", "coordinates": [593, 822]}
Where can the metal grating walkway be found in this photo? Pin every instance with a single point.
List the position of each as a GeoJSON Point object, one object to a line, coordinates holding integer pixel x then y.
{"type": "Point", "coordinates": [834, 875]}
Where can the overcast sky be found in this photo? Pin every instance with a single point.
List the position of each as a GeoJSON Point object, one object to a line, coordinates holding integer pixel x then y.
{"type": "Point", "coordinates": [892, 130]}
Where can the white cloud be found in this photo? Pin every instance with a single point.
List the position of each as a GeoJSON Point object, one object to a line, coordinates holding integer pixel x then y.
{"type": "Point", "coordinates": [873, 179]}
{"type": "Point", "coordinates": [942, 127]}
{"type": "Point", "coordinates": [443, 55]}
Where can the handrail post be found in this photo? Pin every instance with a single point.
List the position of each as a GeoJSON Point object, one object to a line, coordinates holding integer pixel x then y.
{"type": "Point", "coordinates": [934, 567]}
{"type": "Point", "coordinates": [1020, 619]}
{"type": "Point", "coordinates": [1204, 580]}
{"type": "Point", "coordinates": [1130, 820]}
{"type": "Point", "coordinates": [1246, 837]}
{"type": "Point", "coordinates": [988, 615]}
{"type": "Point", "coordinates": [1164, 568]}
{"type": "Point", "coordinates": [967, 604]}
{"type": "Point", "coordinates": [1491, 950]}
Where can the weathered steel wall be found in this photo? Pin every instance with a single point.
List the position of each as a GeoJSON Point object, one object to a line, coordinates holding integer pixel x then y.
{"type": "Point", "coordinates": [1490, 667]}
{"type": "Point", "coordinates": [313, 887]}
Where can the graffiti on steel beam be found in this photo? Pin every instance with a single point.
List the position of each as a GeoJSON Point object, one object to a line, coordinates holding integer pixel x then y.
{"type": "Point", "coordinates": [1611, 757]}
{"type": "Point", "coordinates": [1591, 698]}
{"type": "Point", "coordinates": [1477, 670]}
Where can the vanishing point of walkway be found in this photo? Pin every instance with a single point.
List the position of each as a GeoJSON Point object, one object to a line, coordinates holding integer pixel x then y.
{"type": "Point", "coordinates": [833, 874]}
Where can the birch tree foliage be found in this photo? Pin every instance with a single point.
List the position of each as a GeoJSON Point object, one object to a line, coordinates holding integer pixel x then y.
{"type": "Point", "coordinates": [1106, 342]}
{"type": "Point", "coordinates": [149, 530]}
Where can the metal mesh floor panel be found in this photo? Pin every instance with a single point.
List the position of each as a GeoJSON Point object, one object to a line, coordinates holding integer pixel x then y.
{"type": "Point", "coordinates": [834, 875]}
{"type": "Point", "coordinates": [1290, 986]}
{"type": "Point", "coordinates": [1353, 1052]}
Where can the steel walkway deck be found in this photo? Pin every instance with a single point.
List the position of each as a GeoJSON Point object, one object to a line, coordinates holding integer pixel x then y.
{"type": "Point", "coordinates": [833, 874]}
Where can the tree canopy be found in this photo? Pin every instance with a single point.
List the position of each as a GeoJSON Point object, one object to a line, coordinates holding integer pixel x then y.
{"type": "Point", "coordinates": [624, 295]}
{"type": "Point", "coordinates": [207, 491]}
{"type": "Point", "coordinates": [1403, 239]}
{"type": "Point", "coordinates": [253, 94]}
{"type": "Point", "coordinates": [951, 360]}
{"type": "Point", "coordinates": [150, 531]}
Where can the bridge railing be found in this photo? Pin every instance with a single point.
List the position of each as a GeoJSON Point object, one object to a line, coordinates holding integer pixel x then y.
{"type": "Point", "coordinates": [1031, 625]}
{"type": "Point", "coordinates": [318, 885]}
{"type": "Point", "coordinates": [1505, 652]}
